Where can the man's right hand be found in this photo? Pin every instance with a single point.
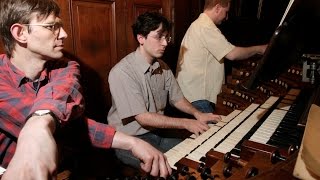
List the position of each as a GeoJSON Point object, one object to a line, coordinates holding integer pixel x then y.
{"type": "Point", "coordinates": [152, 160]}
{"type": "Point", "coordinates": [196, 127]}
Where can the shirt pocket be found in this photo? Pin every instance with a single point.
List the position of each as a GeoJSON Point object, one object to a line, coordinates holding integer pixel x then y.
{"type": "Point", "coordinates": [162, 100]}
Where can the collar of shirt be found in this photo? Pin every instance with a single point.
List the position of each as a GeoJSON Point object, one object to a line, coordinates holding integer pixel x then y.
{"type": "Point", "coordinates": [43, 76]}
{"type": "Point", "coordinates": [142, 63]}
{"type": "Point", "coordinates": [19, 76]}
{"type": "Point", "coordinates": [206, 21]}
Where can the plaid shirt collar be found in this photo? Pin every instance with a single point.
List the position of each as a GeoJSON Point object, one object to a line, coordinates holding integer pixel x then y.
{"type": "Point", "coordinates": [19, 76]}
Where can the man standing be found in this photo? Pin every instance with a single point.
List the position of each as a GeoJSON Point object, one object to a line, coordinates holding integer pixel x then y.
{"type": "Point", "coordinates": [200, 67]}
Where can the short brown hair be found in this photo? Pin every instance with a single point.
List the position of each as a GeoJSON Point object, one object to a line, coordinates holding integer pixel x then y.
{"type": "Point", "coordinates": [211, 3]}
{"type": "Point", "coordinates": [20, 11]}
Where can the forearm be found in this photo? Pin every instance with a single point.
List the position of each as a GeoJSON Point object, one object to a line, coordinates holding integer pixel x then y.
{"type": "Point", "coordinates": [37, 131]}
{"type": "Point", "coordinates": [39, 124]}
{"type": "Point", "coordinates": [36, 154]}
{"type": "Point", "coordinates": [185, 106]}
{"type": "Point", "coordinates": [241, 53]}
{"type": "Point", "coordinates": [157, 120]}
{"type": "Point", "coordinates": [123, 141]}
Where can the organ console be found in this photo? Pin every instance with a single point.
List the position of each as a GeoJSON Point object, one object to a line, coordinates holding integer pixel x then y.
{"type": "Point", "coordinates": [252, 139]}
{"type": "Point", "coordinates": [265, 107]}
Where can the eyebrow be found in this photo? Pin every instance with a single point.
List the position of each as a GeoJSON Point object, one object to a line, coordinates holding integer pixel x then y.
{"type": "Point", "coordinates": [57, 20]}
{"type": "Point", "coordinates": [162, 31]}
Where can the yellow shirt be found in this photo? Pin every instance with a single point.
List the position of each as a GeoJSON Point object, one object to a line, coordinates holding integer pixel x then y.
{"type": "Point", "coordinates": [200, 67]}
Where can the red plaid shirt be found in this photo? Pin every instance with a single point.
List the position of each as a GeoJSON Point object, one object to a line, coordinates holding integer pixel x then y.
{"type": "Point", "coordinates": [58, 90]}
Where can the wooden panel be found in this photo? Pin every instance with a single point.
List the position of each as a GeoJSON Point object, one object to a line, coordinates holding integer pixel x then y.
{"type": "Point", "coordinates": [1, 47]}
{"type": "Point", "coordinates": [141, 6]}
{"type": "Point", "coordinates": [135, 8]}
{"type": "Point", "coordinates": [65, 15]}
{"type": "Point", "coordinates": [121, 19]}
{"type": "Point", "coordinates": [95, 45]}
{"type": "Point", "coordinates": [184, 13]}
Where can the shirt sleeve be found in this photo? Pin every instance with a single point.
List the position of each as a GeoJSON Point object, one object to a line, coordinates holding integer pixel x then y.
{"type": "Point", "coordinates": [85, 132]}
{"type": "Point", "coordinates": [101, 135]}
{"type": "Point", "coordinates": [62, 94]}
{"type": "Point", "coordinates": [215, 42]}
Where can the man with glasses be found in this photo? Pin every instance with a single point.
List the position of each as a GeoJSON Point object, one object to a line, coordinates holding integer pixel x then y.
{"type": "Point", "coordinates": [41, 104]}
{"type": "Point", "coordinates": [141, 83]}
{"type": "Point", "coordinates": [54, 27]}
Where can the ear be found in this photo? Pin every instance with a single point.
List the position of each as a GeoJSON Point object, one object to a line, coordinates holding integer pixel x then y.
{"type": "Point", "coordinates": [218, 7]}
{"type": "Point", "coordinates": [18, 32]}
{"type": "Point", "coordinates": [141, 39]}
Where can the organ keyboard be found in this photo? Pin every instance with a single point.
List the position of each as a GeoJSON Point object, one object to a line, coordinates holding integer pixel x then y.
{"type": "Point", "coordinates": [269, 126]}
{"type": "Point", "coordinates": [258, 129]}
{"type": "Point", "coordinates": [223, 136]}
{"type": "Point", "coordinates": [261, 124]}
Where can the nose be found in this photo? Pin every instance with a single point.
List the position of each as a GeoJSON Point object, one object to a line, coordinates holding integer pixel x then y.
{"type": "Point", "coordinates": [62, 34]}
{"type": "Point", "coordinates": [165, 43]}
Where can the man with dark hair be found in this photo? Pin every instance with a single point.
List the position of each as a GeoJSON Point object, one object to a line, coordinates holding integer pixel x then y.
{"type": "Point", "coordinates": [41, 100]}
{"type": "Point", "coordinates": [200, 67]}
{"type": "Point", "coordinates": [141, 84]}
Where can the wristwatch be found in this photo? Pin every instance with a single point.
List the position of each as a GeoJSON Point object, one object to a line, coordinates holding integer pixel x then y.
{"type": "Point", "coordinates": [45, 112]}
{"type": "Point", "coordinates": [42, 113]}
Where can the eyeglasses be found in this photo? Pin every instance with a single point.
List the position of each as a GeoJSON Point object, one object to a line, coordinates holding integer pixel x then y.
{"type": "Point", "coordinates": [161, 38]}
{"type": "Point", "coordinates": [53, 27]}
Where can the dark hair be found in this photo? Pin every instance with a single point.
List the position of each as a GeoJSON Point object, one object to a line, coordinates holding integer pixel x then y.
{"type": "Point", "coordinates": [20, 11]}
{"type": "Point", "coordinates": [150, 21]}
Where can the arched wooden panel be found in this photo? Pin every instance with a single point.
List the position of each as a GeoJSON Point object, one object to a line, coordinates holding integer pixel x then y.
{"type": "Point", "coordinates": [95, 45]}
{"type": "Point", "coordinates": [135, 8]}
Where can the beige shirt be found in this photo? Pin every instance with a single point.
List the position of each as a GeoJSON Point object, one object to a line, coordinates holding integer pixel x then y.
{"type": "Point", "coordinates": [138, 87]}
{"type": "Point", "coordinates": [200, 67]}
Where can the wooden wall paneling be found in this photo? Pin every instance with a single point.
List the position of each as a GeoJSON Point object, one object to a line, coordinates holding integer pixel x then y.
{"type": "Point", "coordinates": [168, 11]}
{"type": "Point", "coordinates": [121, 25]}
{"type": "Point", "coordinates": [167, 8]}
{"type": "Point", "coordinates": [1, 47]}
{"type": "Point", "coordinates": [95, 44]}
{"type": "Point", "coordinates": [65, 14]}
{"type": "Point", "coordinates": [141, 6]}
{"type": "Point", "coordinates": [181, 19]}
{"type": "Point", "coordinates": [135, 8]}
{"type": "Point", "coordinates": [183, 13]}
